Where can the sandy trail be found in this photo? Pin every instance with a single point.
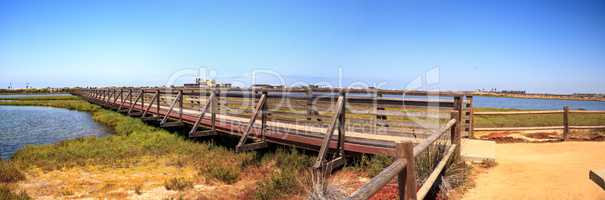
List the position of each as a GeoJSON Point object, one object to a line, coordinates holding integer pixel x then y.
{"type": "Point", "coordinates": [542, 171]}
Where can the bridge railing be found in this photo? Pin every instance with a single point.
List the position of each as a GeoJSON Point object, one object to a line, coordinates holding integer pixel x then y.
{"type": "Point", "coordinates": [368, 116]}
{"type": "Point", "coordinates": [368, 110]}
{"type": "Point", "coordinates": [565, 119]}
{"type": "Point", "coordinates": [419, 164]}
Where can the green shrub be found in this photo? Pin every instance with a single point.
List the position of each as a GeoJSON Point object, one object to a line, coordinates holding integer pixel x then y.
{"type": "Point", "coordinates": [281, 183]}
{"type": "Point", "coordinates": [284, 180]}
{"type": "Point", "coordinates": [223, 165]}
{"type": "Point", "coordinates": [178, 184]}
{"type": "Point", "coordinates": [7, 194]}
{"type": "Point", "coordinates": [9, 172]}
{"type": "Point", "coordinates": [224, 173]}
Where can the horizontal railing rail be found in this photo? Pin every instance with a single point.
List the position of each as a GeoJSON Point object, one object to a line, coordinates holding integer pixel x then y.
{"type": "Point", "coordinates": [566, 127]}
{"type": "Point", "coordinates": [324, 119]}
{"type": "Point", "coordinates": [404, 166]}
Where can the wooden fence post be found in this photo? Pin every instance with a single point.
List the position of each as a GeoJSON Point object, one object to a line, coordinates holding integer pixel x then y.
{"type": "Point", "coordinates": [456, 130]}
{"type": "Point", "coordinates": [406, 180]}
{"type": "Point", "coordinates": [565, 122]}
{"type": "Point", "coordinates": [469, 116]}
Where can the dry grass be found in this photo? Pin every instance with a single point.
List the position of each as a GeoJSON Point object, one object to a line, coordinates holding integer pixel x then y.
{"type": "Point", "coordinates": [9, 172]}
{"type": "Point", "coordinates": [528, 120]}
{"type": "Point", "coordinates": [178, 183]}
{"type": "Point", "coordinates": [6, 193]}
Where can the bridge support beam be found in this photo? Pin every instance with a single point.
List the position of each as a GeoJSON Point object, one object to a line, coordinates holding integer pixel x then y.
{"type": "Point", "coordinates": [338, 158]}
{"type": "Point", "coordinates": [124, 100]}
{"type": "Point", "coordinates": [154, 99]}
{"type": "Point", "coordinates": [132, 105]}
{"type": "Point", "coordinates": [261, 107]}
{"type": "Point", "coordinates": [210, 105]}
{"type": "Point", "coordinates": [178, 100]}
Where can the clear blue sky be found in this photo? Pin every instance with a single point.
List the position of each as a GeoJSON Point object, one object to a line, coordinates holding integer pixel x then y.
{"type": "Point", "coordinates": [539, 46]}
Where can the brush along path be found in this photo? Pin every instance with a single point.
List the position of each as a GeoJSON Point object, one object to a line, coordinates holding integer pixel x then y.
{"type": "Point", "coordinates": [541, 171]}
{"type": "Point", "coordinates": [534, 120]}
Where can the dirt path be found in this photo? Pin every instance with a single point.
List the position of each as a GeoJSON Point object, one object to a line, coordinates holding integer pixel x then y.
{"type": "Point", "coordinates": [542, 171]}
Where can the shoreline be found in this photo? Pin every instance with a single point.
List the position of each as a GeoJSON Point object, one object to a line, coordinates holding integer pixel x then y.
{"type": "Point", "coordinates": [553, 97]}
{"type": "Point", "coordinates": [152, 162]}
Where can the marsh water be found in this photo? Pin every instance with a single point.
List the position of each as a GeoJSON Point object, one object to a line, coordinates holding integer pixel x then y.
{"type": "Point", "coordinates": [22, 125]}
{"type": "Point", "coordinates": [13, 96]}
{"type": "Point", "coordinates": [535, 104]}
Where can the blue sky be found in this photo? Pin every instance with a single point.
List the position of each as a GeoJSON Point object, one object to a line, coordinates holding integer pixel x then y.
{"type": "Point", "coordinates": [539, 46]}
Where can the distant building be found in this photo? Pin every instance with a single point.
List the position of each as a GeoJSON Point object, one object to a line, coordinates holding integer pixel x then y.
{"type": "Point", "coordinates": [262, 86]}
{"type": "Point", "coordinates": [513, 91]}
{"type": "Point", "coordinates": [588, 95]}
{"type": "Point", "coordinates": [199, 83]}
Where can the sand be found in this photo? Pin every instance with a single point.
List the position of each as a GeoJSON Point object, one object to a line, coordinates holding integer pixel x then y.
{"type": "Point", "coordinates": [542, 171]}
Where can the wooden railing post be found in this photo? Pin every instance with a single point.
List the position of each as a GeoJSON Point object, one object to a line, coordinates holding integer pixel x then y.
{"type": "Point", "coordinates": [104, 95]}
{"type": "Point", "coordinates": [406, 180]}
{"type": "Point", "coordinates": [469, 116]}
{"type": "Point", "coordinates": [342, 125]}
{"type": "Point", "coordinates": [381, 119]}
{"type": "Point", "coordinates": [158, 102]}
{"type": "Point", "coordinates": [130, 99]}
{"type": "Point", "coordinates": [457, 129]}
{"type": "Point", "coordinates": [264, 111]}
{"type": "Point", "coordinates": [181, 105]}
{"type": "Point", "coordinates": [213, 109]}
{"type": "Point", "coordinates": [309, 107]}
{"type": "Point", "coordinates": [565, 123]}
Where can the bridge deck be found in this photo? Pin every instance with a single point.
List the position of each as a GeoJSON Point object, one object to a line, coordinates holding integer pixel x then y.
{"type": "Point", "coordinates": [309, 137]}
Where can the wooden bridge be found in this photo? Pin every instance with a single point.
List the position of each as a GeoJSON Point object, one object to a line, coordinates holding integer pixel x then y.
{"type": "Point", "coordinates": [331, 121]}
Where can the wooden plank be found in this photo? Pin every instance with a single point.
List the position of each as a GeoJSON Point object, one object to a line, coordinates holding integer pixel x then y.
{"type": "Point", "coordinates": [204, 133]}
{"type": "Point", "coordinates": [253, 146]}
{"type": "Point", "coordinates": [424, 189]}
{"type": "Point", "coordinates": [598, 177]}
{"type": "Point", "coordinates": [135, 114]}
{"type": "Point", "coordinates": [172, 124]}
{"type": "Point", "coordinates": [336, 163]}
{"type": "Point", "coordinates": [428, 141]}
{"type": "Point", "coordinates": [377, 182]}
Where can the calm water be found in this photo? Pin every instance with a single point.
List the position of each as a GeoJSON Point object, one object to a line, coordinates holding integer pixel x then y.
{"type": "Point", "coordinates": [535, 104]}
{"type": "Point", "coordinates": [21, 125]}
{"type": "Point", "coordinates": [523, 104]}
{"type": "Point", "coordinates": [32, 95]}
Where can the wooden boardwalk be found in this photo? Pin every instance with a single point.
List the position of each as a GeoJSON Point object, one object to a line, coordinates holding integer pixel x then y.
{"type": "Point", "coordinates": [327, 122]}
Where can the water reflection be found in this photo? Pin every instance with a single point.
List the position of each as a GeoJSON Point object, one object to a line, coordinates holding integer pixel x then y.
{"type": "Point", "coordinates": [21, 125]}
